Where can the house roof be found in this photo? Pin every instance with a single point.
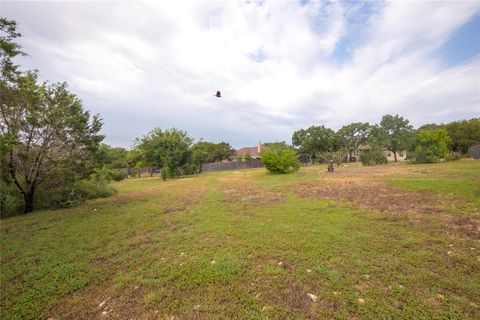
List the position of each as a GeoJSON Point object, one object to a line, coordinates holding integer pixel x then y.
{"type": "Point", "coordinates": [242, 152]}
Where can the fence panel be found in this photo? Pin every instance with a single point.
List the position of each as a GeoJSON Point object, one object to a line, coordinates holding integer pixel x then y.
{"type": "Point", "coordinates": [231, 165]}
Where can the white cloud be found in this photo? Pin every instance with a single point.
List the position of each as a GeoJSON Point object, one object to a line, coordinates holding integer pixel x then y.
{"type": "Point", "coordinates": [146, 64]}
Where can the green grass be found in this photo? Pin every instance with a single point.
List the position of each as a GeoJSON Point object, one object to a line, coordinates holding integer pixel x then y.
{"type": "Point", "coordinates": [462, 180]}
{"type": "Point", "coordinates": [190, 249]}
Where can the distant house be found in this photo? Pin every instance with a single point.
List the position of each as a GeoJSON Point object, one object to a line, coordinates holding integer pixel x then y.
{"type": "Point", "coordinates": [255, 152]}
{"type": "Point", "coordinates": [401, 155]}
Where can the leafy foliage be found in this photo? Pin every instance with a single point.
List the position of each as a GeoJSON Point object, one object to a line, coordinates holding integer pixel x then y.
{"type": "Point", "coordinates": [463, 134]}
{"type": "Point", "coordinates": [112, 157]}
{"type": "Point", "coordinates": [169, 149]}
{"type": "Point", "coordinates": [431, 145]}
{"type": "Point", "coordinates": [352, 136]}
{"type": "Point", "coordinates": [373, 156]}
{"type": "Point", "coordinates": [48, 141]}
{"type": "Point", "coordinates": [205, 152]}
{"type": "Point", "coordinates": [398, 133]}
{"type": "Point", "coordinates": [247, 156]}
{"type": "Point", "coordinates": [314, 140]}
{"type": "Point", "coordinates": [280, 160]}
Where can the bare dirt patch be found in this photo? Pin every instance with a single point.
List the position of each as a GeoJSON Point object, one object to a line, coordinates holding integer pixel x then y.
{"type": "Point", "coordinates": [396, 202]}
{"type": "Point", "coordinates": [374, 196]}
{"type": "Point", "coordinates": [241, 192]}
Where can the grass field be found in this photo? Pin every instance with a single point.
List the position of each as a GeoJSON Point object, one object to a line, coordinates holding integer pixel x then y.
{"type": "Point", "coordinates": [387, 242]}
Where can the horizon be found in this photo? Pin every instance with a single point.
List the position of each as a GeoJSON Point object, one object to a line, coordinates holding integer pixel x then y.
{"type": "Point", "coordinates": [280, 66]}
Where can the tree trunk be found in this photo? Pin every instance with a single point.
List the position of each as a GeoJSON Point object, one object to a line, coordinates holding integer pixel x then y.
{"type": "Point", "coordinates": [28, 199]}
{"type": "Point", "coordinates": [395, 155]}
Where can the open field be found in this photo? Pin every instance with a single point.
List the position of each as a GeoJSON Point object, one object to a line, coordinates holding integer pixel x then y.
{"type": "Point", "coordinates": [387, 242]}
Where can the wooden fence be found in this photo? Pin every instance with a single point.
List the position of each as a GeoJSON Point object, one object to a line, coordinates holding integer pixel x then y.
{"type": "Point", "coordinates": [231, 165]}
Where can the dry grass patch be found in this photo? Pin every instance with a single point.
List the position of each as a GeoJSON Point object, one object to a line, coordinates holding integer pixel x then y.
{"type": "Point", "coordinates": [398, 203]}
{"type": "Point", "coordinates": [239, 191]}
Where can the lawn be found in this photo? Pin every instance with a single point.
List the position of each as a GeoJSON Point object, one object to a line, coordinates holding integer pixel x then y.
{"type": "Point", "coordinates": [388, 242]}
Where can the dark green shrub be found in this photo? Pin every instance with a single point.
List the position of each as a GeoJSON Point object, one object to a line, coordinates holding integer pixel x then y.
{"type": "Point", "coordinates": [92, 189]}
{"type": "Point", "coordinates": [164, 173]}
{"type": "Point", "coordinates": [11, 201]}
{"type": "Point", "coordinates": [453, 156]}
{"type": "Point", "coordinates": [118, 175]}
{"type": "Point", "coordinates": [431, 145]}
{"type": "Point", "coordinates": [372, 157]}
{"type": "Point", "coordinates": [281, 160]}
{"type": "Point", "coordinates": [425, 156]}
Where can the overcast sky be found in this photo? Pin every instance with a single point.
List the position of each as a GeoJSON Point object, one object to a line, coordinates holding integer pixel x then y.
{"type": "Point", "coordinates": [280, 65]}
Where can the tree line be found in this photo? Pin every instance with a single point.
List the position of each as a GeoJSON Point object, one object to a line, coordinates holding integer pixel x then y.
{"type": "Point", "coordinates": [394, 133]}
{"type": "Point", "coordinates": [52, 155]}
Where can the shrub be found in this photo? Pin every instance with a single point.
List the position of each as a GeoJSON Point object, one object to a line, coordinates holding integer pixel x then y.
{"type": "Point", "coordinates": [11, 202]}
{"type": "Point", "coordinates": [118, 175]}
{"type": "Point", "coordinates": [453, 156]}
{"type": "Point", "coordinates": [189, 168]}
{"type": "Point", "coordinates": [423, 155]}
{"type": "Point", "coordinates": [431, 145]}
{"type": "Point", "coordinates": [372, 157]}
{"type": "Point", "coordinates": [92, 189]}
{"type": "Point", "coordinates": [281, 160]}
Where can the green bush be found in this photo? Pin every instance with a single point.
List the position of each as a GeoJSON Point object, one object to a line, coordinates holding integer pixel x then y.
{"type": "Point", "coordinates": [92, 189]}
{"type": "Point", "coordinates": [281, 160]}
{"type": "Point", "coordinates": [11, 201]}
{"type": "Point", "coordinates": [425, 156]}
{"type": "Point", "coordinates": [372, 157]}
{"type": "Point", "coordinates": [453, 156]}
{"type": "Point", "coordinates": [189, 168]}
{"type": "Point", "coordinates": [118, 175]}
{"type": "Point", "coordinates": [431, 145]}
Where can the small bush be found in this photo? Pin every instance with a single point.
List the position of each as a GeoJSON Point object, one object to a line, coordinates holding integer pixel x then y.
{"type": "Point", "coordinates": [189, 168]}
{"type": "Point", "coordinates": [83, 190]}
{"type": "Point", "coordinates": [92, 189]}
{"type": "Point", "coordinates": [454, 156]}
{"type": "Point", "coordinates": [11, 201]}
{"type": "Point", "coordinates": [281, 160]}
{"type": "Point", "coordinates": [425, 156]}
{"type": "Point", "coordinates": [118, 175]}
{"type": "Point", "coordinates": [372, 157]}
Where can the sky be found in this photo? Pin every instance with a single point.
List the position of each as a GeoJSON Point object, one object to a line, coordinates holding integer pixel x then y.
{"type": "Point", "coordinates": [280, 65]}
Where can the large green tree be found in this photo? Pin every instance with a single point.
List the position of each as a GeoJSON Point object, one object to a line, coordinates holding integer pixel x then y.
{"type": "Point", "coordinates": [47, 138]}
{"type": "Point", "coordinates": [169, 149]}
{"type": "Point", "coordinates": [314, 140]}
{"type": "Point", "coordinates": [113, 157]}
{"type": "Point", "coordinates": [352, 136]}
{"type": "Point", "coordinates": [463, 134]}
{"type": "Point", "coordinates": [48, 135]}
{"type": "Point", "coordinates": [222, 151]}
{"type": "Point", "coordinates": [398, 133]}
{"type": "Point", "coordinates": [205, 152]}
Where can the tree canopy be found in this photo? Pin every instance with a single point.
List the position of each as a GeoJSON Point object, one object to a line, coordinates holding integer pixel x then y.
{"type": "Point", "coordinates": [432, 145]}
{"type": "Point", "coordinates": [169, 149]}
{"type": "Point", "coordinates": [47, 138]}
{"type": "Point", "coordinates": [398, 132]}
{"type": "Point", "coordinates": [352, 136]}
{"type": "Point", "coordinates": [314, 140]}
